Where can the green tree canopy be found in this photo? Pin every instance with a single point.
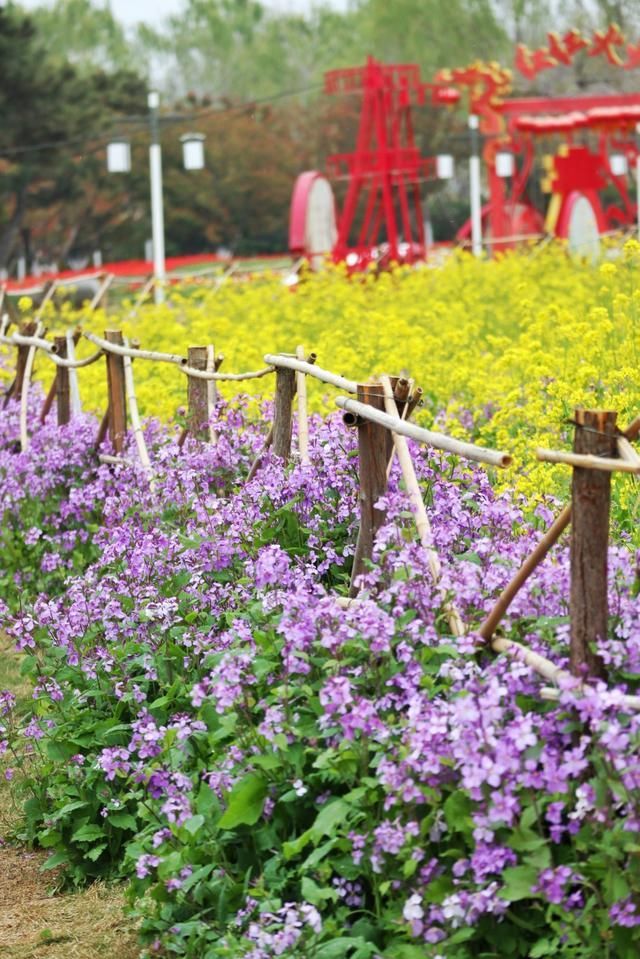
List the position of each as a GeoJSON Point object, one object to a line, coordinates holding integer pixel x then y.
{"type": "Point", "coordinates": [54, 116]}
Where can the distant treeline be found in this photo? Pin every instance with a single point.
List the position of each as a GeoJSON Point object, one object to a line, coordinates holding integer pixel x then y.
{"type": "Point", "coordinates": [249, 79]}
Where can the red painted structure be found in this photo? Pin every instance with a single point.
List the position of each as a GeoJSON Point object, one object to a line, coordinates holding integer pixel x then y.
{"type": "Point", "coordinates": [579, 132]}
{"type": "Point", "coordinates": [607, 120]}
{"type": "Point", "coordinates": [381, 217]}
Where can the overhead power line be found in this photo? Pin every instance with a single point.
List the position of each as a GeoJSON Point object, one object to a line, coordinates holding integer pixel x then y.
{"type": "Point", "coordinates": [143, 119]}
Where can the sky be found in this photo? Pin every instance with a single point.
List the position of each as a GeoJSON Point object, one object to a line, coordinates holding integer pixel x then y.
{"type": "Point", "coordinates": [130, 12]}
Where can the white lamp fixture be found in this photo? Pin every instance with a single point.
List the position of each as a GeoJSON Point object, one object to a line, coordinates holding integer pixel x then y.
{"type": "Point", "coordinates": [119, 156]}
{"type": "Point", "coordinates": [504, 164]}
{"type": "Point", "coordinates": [444, 166]}
{"type": "Point", "coordinates": [618, 164]}
{"type": "Point", "coordinates": [193, 151]}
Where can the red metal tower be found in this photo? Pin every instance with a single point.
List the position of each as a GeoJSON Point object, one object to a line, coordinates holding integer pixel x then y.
{"type": "Point", "coordinates": [386, 168]}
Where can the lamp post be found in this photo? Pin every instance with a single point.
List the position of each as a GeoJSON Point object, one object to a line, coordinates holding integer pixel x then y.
{"type": "Point", "coordinates": [474, 186]}
{"type": "Point", "coordinates": [119, 161]}
{"type": "Point", "coordinates": [157, 208]}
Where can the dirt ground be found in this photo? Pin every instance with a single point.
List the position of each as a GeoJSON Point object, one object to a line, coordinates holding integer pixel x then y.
{"type": "Point", "coordinates": [35, 922]}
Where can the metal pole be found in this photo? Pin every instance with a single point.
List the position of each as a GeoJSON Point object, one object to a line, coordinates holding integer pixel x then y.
{"type": "Point", "coordinates": [157, 213]}
{"type": "Point", "coordinates": [638, 180]}
{"type": "Point", "coordinates": [474, 185]}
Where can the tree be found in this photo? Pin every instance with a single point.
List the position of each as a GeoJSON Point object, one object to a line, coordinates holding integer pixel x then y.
{"type": "Point", "coordinates": [53, 118]}
{"type": "Point", "coordinates": [84, 34]}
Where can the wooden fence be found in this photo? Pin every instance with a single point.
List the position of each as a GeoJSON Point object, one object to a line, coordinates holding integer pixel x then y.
{"type": "Point", "coordinates": [381, 412]}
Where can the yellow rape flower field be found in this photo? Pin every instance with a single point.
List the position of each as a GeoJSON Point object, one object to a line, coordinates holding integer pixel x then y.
{"type": "Point", "coordinates": [504, 349]}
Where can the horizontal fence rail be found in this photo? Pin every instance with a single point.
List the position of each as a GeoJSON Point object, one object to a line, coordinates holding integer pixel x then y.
{"type": "Point", "coordinates": [438, 440]}
{"type": "Point", "coordinates": [381, 414]}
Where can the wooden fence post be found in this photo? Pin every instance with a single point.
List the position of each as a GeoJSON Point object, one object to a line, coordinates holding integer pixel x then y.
{"type": "Point", "coordinates": [375, 444]}
{"type": "Point", "coordinates": [117, 411]}
{"type": "Point", "coordinates": [283, 412]}
{"type": "Point", "coordinates": [590, 502]}
{"type": "Point", "coordinates": [63, 399]}
{"type": "Point", "coordinates": [26, 329]}
{"type": "Point", "coordinates": [198, 395]}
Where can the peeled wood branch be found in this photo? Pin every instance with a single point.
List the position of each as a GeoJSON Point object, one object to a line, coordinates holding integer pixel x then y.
{"type": "Point", "coordinates": [235, 377]}
{"type": "Point", "coordinates": [626, 701]}
{"type": "Point", "coordinates": [49, 350]}
{"type": "Point", "coordinates": [627, 453]}
{"type": "Point", "coordinates": [37, 342]}
{"type": "Point", "coordinates": [73, 364]}
{"type": "Point", "coordinates": [311, 359]}
{"type": "Point", "coordinates": [101, 292]}
{"type": "Point", "coordinates": [587, 461]}
{"type": "Point", "coordinates": [211, 391]}
{"type": "Point", "coordinates": [74, 386]}
{"type": "Point", "coordinates": [24, 395]}
{"type": "Point", "coordinates": [548, 670]}
{"type": "Point", "coordinates": [438, 440]}
{"type": "Point", "coordinates": [290, 363]}
{"type": "Point", "coordinates": [134, 415]}
{"type": "Point", "coordinates": [417, 505]}
{"type": "Point", "coordinates": [133, 353]}
{"type": "Point", "coordinates": [50, 290]}
{"type": "Point", "coordinates": [534, 559]}
{"type": "Point", "coordinates": [303, 419]}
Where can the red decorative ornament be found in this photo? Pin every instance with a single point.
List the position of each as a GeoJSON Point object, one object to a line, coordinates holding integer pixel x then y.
{"type": "Point", "coordinates": [604, 44]}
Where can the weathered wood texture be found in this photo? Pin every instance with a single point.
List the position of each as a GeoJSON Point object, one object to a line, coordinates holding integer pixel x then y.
{"type": "Point", "coordinates": [375, 444]}
{"type": "Point", "coordinates": [198, 395]}
{"type": "Point", "coordinates": [283, 412]}
{"type": "Point", "coordinates": [26, 329]}
{"type": "Point", "coordinates": [590, 502]}
{"type": "Point", "coordinates": [63, 396]}
{"type": "Point", "coordinates": [117, 393]}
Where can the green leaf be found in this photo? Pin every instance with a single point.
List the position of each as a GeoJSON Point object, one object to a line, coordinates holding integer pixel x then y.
{"type": "Point", "coordinates": [329, 817]}
{"type": "Point", "coordinates": [123, 820]}
{"type": "Point", "coordinates": [518, 882]}
{"type": "Point", "coordinates": [96, 852]}
{"type": "Point", "coordinates": [58, 859]}
{"type": "Point", "coordinates": [193, 825]}
{"type": "Point", "coordinates": [59, 752]}
{"type": "Point", "coordinates": [543, 947]}
{"type": "Point", "coordinates": [457, 811]}
{"type": "Point", "coordinates": [69, 807]}
{"type": "Point", "coordinates": [88, 833]}
{"type": "Point", "coordinates": [336, 948]}
{"type": "Point", "coordinates": [207, 800]}
{"type": "Point", "coordinates": [269, 761]}
{"type": "Point", "coordinates": [315, 894]}
{"type": "Point", "coordinates": [295, 846]}
{"type": "Point", "coordinates": [245, 802]}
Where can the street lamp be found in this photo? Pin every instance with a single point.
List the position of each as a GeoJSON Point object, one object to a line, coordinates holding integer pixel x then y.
{"type": "Point", "coordinates": [119, 156]}
{"type": "Point", "coordinates": [119, 161]}
{"type": "Point", "coordinates": [474, 186]}
{"type": "Point", "coordinates": [505, 164]}
{"type": "Point", "coordinates": [193, 151]}
{"type": "Point", "coordinates": [157, 208]}
{"type": "Point", "coordinates": [444, 166]}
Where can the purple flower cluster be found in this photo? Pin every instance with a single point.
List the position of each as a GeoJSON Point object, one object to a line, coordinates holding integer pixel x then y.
{"type": "Point", "coordinates": [206, 643]}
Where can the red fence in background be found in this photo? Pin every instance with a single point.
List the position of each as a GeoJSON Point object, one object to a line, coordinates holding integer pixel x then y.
{"type": "Point", "coordinates": [134, 270]}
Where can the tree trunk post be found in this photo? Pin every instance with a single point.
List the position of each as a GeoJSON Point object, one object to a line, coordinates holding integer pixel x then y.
{"type": "Point", "coordinates": [590, 501]}
{"type": "Point", "coordinates": [283, 412]}
{"type": "Point", "coordinates": [63, 398]}
{"type": "Point", "coordinates": [117, 394]}
{"type": "Point", "coordinates": [26, 329]}
{"type": "Point", "coordinates": [50, 397]}
{"type": "Point", "coordinates": [375, 443]}
{"type": "Point", "coordinates": [197, 395]}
